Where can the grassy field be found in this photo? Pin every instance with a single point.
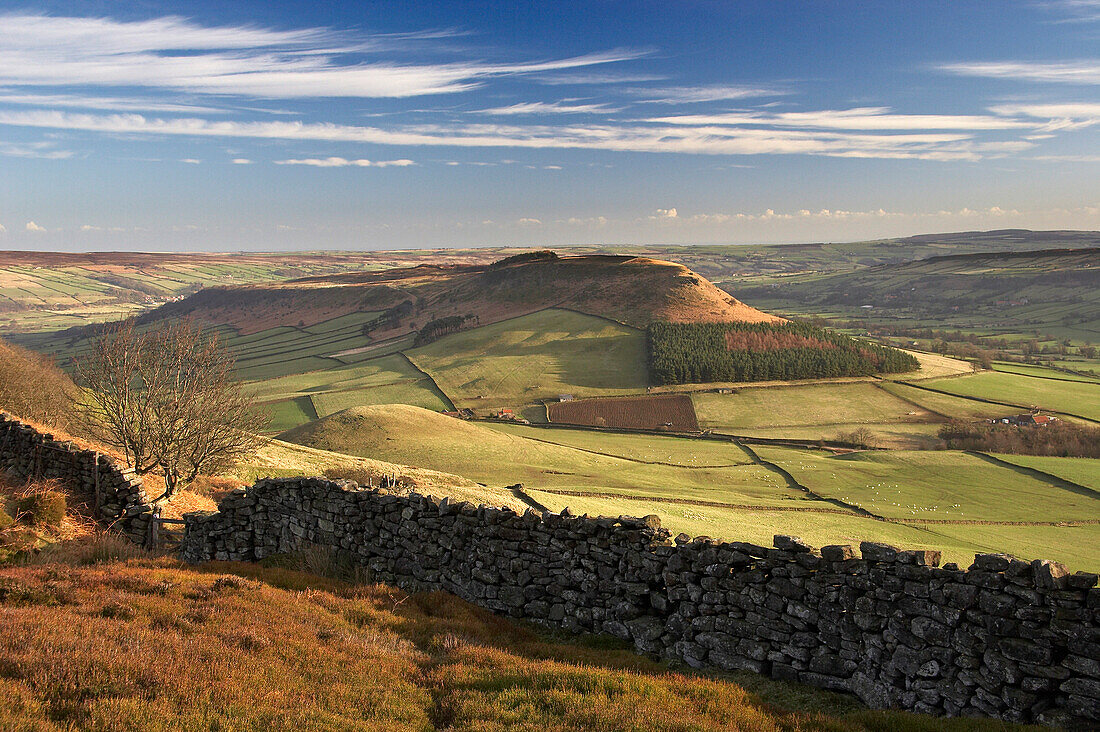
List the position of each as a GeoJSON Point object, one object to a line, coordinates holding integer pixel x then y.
{"type": "Point", "coordinates": [516, 362]}
{"type": "Point", "coordinates": [926, 498]}
{"type": "Point", "coordinates": [817, 411]}
{"type": "Point", "coordinates": [684, 451]}
{"type": "Point", "coordinates": [946, 404]}
{"type": "Point", "coordinates": [502, 456]}
{"type": "Point", "coordinates": [1082, 471]}
{"type": "Point", "coordinates": [1079, 398]}
{"type": "Point", "coordinates": [933, 485]}
{"type": "Point", "coordinates": [1041, 372]}
{"type": "Point", "coordinates": [821, 529]}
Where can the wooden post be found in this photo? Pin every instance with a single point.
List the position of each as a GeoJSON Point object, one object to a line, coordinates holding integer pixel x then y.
{"type": "Point", "coordinates": [153, 524]}
{"type": "Point", "coordinates": [95, 483]}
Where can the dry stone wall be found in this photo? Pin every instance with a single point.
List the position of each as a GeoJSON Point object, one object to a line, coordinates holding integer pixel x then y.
{"type": "Point", "coordinates": [1005, 638]}
{"type": "Point", "coordinates": [120, 499]}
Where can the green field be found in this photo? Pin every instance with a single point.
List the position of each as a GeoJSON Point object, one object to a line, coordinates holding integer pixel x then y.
{"type": "Point", "coordinates": [949, 406]}
{"type": "Point", "coordinates": [518, 361]}
{"type": "Point", "coordinates": [501, 456]}
{"type": "Point", "coordinates": [1077, 398]}
{"type": "Point", "coordinates": [914, 485]}
{"type": "Point", "coordinates": [1077, 546]}
{"type": "Point", "coordinates": [933, 499]}
{"type": "Point", "coordinates": [1041, 372]}
{"type": "Point", "coordinates": [1082, 471]}
{"type": "Point", "coordinates": [384, 380]}
{"type": "Point", "coordinates": [683, 451]}
{"type": "Point", "coordinates": [816, 411]}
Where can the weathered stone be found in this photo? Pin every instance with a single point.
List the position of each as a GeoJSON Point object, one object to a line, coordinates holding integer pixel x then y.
{"type": "Point", "coordinates": [837, 552]}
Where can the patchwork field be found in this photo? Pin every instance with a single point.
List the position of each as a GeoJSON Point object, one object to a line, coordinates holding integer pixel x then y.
{"type": "Point", "coordinates": [503, 455]}
{"type": "Point", "coordinates": [538, 356]}
{"type": "Point", "coordinates": [1077, 398]}
{"type": "Point", "coordinates": [934, 499]}
{"type": "Point", "coordinates": [817, 411]}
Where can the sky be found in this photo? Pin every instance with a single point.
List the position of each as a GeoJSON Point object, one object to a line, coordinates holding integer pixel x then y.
{"type": "Point", "coordinates": [388, 124]}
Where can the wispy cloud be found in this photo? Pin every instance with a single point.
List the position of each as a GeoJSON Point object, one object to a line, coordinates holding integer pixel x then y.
{"type": "Point", "coordinates": [42, 150]}
{"type": "Point", "coordinates": [1058, 116]}
{"type": "Point", "coordinates": [176, 54]}
{"type": "Point", "coordinates": [697, 139]}
{"type": "Point", "coordinates": [548, 108]}
{"type": "Point", "coordinates": [1085, 71]}
{"type": "Point", "coordinates": [114, 104]}
{"type": "Point", "coordinates": [862, 118]}
{"type": "Point", "coordinates": [1075, 11]}
{"type": "Point", "coordinates": [695, 94]}
{"type": "Point", "coordinates": [241, 161]}
{"type": "Point", "coordinates": [335, 162]}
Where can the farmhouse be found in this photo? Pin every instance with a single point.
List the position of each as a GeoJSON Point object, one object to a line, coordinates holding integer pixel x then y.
{"type": "Point", "coordinates": [1026, 420]}
{"type": "Point", "coordinates": [565, 397]}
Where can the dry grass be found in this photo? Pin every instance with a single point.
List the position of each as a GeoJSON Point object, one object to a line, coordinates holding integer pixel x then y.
{"type": "Point", "coordinates": [148, 644]}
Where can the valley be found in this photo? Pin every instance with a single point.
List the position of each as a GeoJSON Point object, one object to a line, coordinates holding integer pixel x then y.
{"type": "Point", "coordinates": [536, 340]}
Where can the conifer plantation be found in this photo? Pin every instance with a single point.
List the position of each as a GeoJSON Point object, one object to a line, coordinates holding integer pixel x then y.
{"type": "Point", "coordinates": [682, 353]}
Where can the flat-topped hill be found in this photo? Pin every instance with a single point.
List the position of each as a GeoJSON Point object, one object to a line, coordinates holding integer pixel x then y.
{"type": "Point", "coordinates": [633, 290]}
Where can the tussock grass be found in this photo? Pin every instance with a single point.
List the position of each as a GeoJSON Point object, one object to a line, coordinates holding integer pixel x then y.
{"type": "Point", "coordinates": [149, 644]}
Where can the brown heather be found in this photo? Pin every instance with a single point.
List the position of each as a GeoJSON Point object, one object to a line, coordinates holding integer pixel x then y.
{"type": "Point", "coordinates": [147, 644]}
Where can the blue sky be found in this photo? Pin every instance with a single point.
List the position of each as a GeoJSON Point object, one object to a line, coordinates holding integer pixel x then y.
{"type": "Point", "coordinates": [366, 125]}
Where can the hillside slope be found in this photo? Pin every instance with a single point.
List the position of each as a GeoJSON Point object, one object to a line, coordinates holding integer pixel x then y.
{"type": "Point", "coordinates": [244, 647]}
{"type": "Point", "coordinates": [1050, 290]}
{"type": "Point", "coordinates": [634, 290]}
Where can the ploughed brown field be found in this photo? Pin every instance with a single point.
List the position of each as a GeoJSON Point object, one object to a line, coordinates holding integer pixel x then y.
{"type": "Point", "coordinates": [673, 412]}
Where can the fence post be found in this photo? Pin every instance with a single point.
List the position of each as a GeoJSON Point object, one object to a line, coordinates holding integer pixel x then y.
{"type": "Point", "coordinates": [154, 523]}
{"type": "Point", "coordinates": [95, 482]}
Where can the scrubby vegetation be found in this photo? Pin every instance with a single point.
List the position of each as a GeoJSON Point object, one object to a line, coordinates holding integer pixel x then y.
{"type": "Point", "coordinates": [95, 642]}
{"type": "Point", "coordinates": [681, 353]}
{"type": "Point", "coordinates": [1059, 439]}
{"type": "Point", "coordinates": [542, 255]}
{"type": "Point", "coordinates": [32, 387]}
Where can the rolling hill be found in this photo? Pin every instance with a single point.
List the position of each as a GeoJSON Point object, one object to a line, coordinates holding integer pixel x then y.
{"type": "Point", "coordinates": [632, 290]}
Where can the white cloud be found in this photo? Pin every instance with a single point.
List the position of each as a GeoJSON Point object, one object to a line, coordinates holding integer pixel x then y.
{"type": "Point", "coordinates": [335, 162]}
{"type": "Point", "coordinates": [697, 139]}
{"type": "Point", "coordinates": [2, 228]}
{"type": "Point", "coordinates": [1073, 115]}
{"type": "Point", "coordinates": [1064, 72]}
{"type": "Point", "coordinates": [666, 213]}
{"type": "Point", "coordinates": [41, 150]}
{"type": "Point", "coordinates": [174, 53]}
{"type": "Point", "coordinates": [695, 94]}
{"type": "Point", "coordinates": [242, 161]}
{"type": "Point", "coordinates": [35, 228]}
{"type": "Point", "coordinates": [115, 104]}
{"type": "Point", "coordinates": [529, 222]}
{"type": "Point", "coordinates": [548, 108]}
{"type": "Point", "coordinates": [862, 118]}
{"type": "Point", "coordinates": [551, 167]}
{"type": "Point", "coordinates": [191, 161]}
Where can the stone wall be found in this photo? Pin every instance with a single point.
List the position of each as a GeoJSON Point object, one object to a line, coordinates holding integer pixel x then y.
{"type": "Point", "coordinates": [1005, 638]}
{"type": "Point", "coordinates": [119, 496]}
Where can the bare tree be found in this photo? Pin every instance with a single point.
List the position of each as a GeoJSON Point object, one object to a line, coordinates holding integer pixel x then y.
{"type": "Point", "coordinates": [169, 399]}
{"type": "Point", "coordinates": [115, 404]}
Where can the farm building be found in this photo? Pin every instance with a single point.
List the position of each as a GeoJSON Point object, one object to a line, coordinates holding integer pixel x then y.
{"type": "Point", "coordinates": [565, 397]}
{"type": "Point", "coordinates": [1026, 420]}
